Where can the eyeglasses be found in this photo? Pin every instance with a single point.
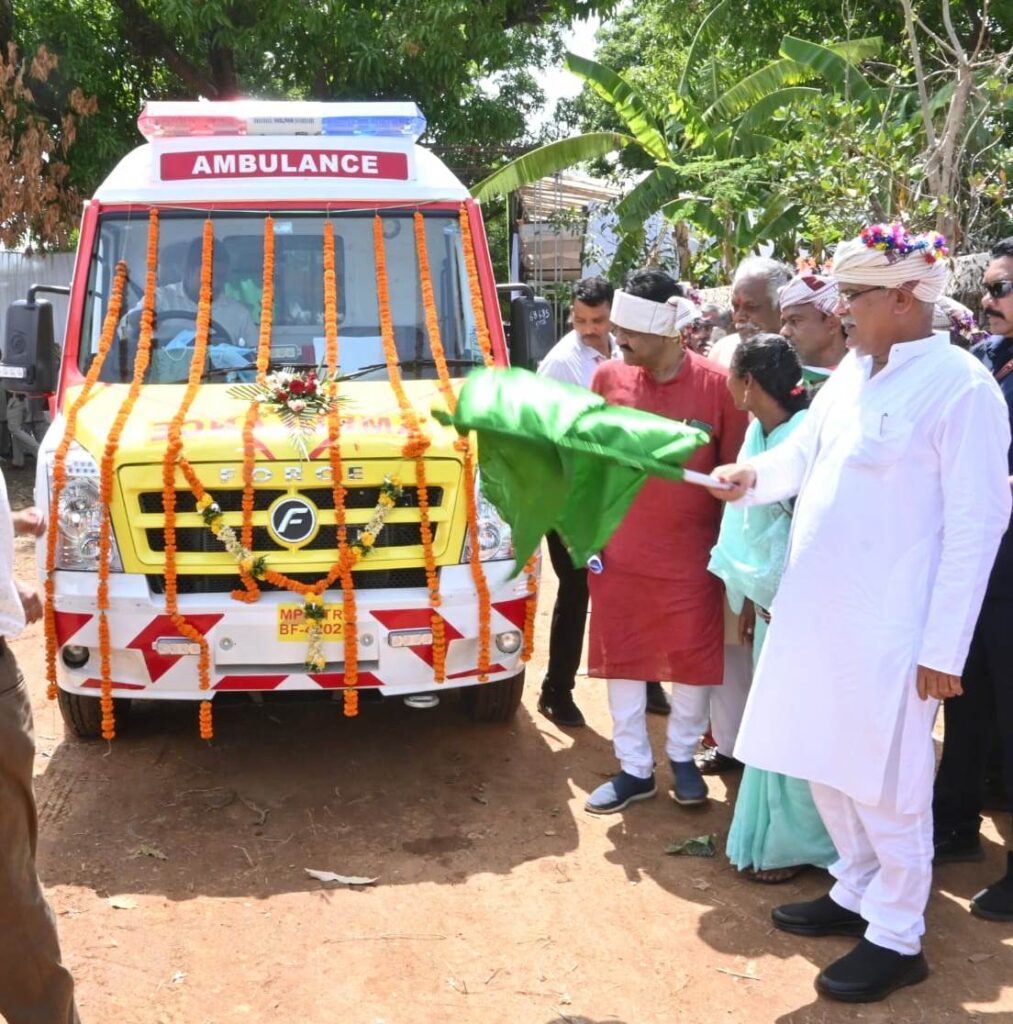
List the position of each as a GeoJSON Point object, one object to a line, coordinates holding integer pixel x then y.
{"type": "Point", "coordinates": [848, 297]}
{"type": "Point", "coordinates": [998, 289]}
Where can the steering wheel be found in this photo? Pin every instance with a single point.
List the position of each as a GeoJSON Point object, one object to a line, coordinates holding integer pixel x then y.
{"type": "Point", "coordinates": [187, 314]}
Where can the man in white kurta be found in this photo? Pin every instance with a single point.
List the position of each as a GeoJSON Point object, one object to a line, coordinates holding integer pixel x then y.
{"type": "Point", "coordinates": [903, 495]}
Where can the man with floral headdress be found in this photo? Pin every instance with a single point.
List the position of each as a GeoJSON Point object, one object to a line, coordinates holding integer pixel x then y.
{"type": "Point", "coordinates": [808, 321]}
{"type": "Point", "coordinates": [901, 475]}
{"type": "Point", "coordinates": [656, 612]}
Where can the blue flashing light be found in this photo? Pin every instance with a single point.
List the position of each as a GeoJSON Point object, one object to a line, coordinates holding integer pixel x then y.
{"type": "Point", "coordinates": [381, 125]}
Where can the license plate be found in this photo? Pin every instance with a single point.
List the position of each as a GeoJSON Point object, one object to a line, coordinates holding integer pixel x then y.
{"type": "Point", "coordinates": [292, 624]}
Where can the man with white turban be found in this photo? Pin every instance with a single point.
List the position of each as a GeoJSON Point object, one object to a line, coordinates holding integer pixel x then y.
{"type": "Point", "coordinates": [903, 495]}
{"type": "Point", "coordinates": [809, 323]}
{"type": "Point", "coordinates": [656, 612]}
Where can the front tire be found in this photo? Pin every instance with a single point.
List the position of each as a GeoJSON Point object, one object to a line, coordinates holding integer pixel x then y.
{"type": "Point", "coordinates": [494, 702]}
{"type": "Point", "coordinates": [83, 715]}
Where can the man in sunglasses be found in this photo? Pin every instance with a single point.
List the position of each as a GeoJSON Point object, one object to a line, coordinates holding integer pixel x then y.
{"type": "Point", "coordinates": [987, 700]}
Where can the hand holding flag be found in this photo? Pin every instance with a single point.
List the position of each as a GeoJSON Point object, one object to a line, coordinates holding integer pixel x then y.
{"type": "Point", "coordinates": [557, 457]}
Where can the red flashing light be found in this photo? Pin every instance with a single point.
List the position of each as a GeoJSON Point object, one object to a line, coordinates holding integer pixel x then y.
{"type": "Point", "coordinates": [188, 125]}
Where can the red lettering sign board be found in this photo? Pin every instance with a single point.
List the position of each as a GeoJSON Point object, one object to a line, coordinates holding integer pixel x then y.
{"type": "Point", "coordinates": [210, 165]}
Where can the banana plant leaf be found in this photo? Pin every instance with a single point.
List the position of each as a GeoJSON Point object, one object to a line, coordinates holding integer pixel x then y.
{"type": "Point", "coordinates": [557, 457]}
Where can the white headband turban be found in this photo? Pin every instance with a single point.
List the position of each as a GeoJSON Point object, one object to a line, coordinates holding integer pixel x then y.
{"type": "Point", "coordinates": [888, 256]}
{"type": "Point", "coordinates": [666, 318]}
{"type": "Point", "coordinates": [816, 289]}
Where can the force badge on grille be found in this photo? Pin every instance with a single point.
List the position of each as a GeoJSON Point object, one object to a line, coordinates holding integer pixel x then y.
{"type": "Point", "coordinates": [292, 521]}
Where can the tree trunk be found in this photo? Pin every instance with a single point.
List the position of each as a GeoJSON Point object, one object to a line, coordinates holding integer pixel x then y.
{"type": "Point", "coordinates": [948, 157]}
{"type": "Point", "coordinates": [150, 40]}
{"type": "Point", "coordinates": [223, 72]}
{"type": "Point", "coordinates": [681, 232]}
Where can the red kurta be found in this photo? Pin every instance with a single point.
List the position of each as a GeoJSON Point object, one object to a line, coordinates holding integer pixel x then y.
{"type": "Point", "coordinates": [656, 612]}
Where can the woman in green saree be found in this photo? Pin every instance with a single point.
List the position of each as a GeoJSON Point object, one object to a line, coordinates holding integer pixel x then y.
{"type": "Point", "coordinates": [776, 831]}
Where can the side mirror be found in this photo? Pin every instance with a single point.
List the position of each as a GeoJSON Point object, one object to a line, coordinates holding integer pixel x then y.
{"type": "Point", "coordinates": [30, 362]}
{"type": "Point", "coordinates": [532, 331]}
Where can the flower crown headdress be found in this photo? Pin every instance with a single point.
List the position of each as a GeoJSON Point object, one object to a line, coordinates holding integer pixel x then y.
{"type": "Point", "coordinates": [897, 240]}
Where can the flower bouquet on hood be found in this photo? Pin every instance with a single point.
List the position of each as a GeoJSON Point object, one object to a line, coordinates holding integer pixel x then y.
{"type": "Point", "coordinates": [299, 398]}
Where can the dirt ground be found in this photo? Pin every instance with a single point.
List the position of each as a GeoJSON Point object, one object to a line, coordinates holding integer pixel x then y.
{"type": "Point", "coordinates": [498, 900]}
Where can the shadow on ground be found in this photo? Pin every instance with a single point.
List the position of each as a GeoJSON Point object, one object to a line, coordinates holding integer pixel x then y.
{"type": "Point", "coordinates": [408, 795]}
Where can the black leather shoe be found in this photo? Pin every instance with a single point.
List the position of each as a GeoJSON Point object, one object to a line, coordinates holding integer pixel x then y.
{"type": "Point", "coordinates": [996, 902]}
{"type": "Point", "coordinates": [657, 700]}
{"type": "Point", "coordinates": [957, 849]}
{"type": "Point", "coordinates": [713, 762]}
{"type": "Point", "coordinates": [817, 917]}
{"type": "Point", "coordinates": [560, 708]}
{"type": "Point", "coordinates": [870, 973]}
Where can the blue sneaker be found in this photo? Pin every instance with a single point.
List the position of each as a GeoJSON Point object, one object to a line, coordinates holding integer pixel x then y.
{"type": "Point", "coordinates": [690, 788]}
{"type": "Point", "coordinates": [620, 790]}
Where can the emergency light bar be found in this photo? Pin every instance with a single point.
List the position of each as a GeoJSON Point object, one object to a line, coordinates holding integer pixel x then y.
{"type": "Point", "coordinates": [167, 119]}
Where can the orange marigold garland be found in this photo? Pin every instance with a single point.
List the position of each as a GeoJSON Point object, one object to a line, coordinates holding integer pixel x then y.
{"type": "Point", "coordinates": [173, 451]}
{"type": "Point", "coordinates": [463, 445]}
{"type": "Point", "coordinates": [105, 343]}
{"type": "Point", "coordinates": [266, 302]}
{"type": "Point", "coordinates": [106, 474]}
{"type": "Point", "coordinates": [530, 608]}
{"type": "Point", "coordinates": [446, 388]}
{"type": "Point", "coordinates": [474, 558]}
{"type": "Point", "coordinates": [414, 448]}
{"type": "Point", "coordinates": [350, 625]}
{"type": "Point", "coordinates": [251, 591]}
{"type": "Point", "coordinates": [475, 289]}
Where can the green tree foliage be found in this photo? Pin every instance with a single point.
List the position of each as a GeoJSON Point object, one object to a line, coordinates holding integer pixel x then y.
{"type": "Point", "coordinates": [837, 151]}
{"type": "Point", "coordinates": [468, 65]}
{"type": "Point", "coordinates": [707, 157]}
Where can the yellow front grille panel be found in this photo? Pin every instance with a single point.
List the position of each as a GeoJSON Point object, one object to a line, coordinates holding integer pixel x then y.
{"type": "Point", "coordinates": [293, 516]}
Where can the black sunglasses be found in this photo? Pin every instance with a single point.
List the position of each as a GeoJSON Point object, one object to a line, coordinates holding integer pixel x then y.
{"type": "Point", "coordinates": [999, 289]}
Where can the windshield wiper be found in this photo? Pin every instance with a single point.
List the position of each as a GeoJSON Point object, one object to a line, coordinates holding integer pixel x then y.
{"type": "Point", "coordinates": [407, 364]}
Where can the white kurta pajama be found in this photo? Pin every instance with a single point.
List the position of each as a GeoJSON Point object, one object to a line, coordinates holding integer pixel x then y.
{"type": "Point", "coordinates": [903, 498]}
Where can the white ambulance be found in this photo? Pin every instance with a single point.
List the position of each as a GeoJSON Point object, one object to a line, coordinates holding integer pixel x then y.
{"type": "Point", "coordinates": [303, 165]}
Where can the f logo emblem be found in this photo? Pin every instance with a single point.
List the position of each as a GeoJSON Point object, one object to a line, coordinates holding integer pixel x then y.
{"type": "Point", "coordinates": [292, 521]}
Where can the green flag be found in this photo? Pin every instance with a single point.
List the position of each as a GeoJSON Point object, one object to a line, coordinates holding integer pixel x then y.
{"type": "Point", "coordinates": [557, 457]}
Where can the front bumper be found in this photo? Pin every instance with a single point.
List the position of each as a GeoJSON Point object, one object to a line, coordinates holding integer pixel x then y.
{"type": "Point", "coordinates": [247, 653]}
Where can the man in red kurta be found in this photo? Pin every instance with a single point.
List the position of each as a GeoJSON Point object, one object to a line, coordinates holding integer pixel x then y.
{"type": "Point", "coordinates": [656, 612]}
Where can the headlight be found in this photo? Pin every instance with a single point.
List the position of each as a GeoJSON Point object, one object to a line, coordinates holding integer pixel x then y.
{"type": "Point", "coordinates": [79, 516]}
{"type": "Point", "coordinates": [495, 542]}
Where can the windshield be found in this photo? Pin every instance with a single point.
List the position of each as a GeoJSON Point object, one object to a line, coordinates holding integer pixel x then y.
{"type": "Point", "coordinates": [297, 336]}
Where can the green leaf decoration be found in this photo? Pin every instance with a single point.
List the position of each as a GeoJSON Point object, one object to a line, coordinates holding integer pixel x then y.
{"type": "Point", "coordinates": [698, 846]}
{"type": "Point", "coordinates": [627, 252]}
{"type": "Point", "coordinates": [698, 39]}
{"type": "Point", "coordinates": [627, 102]}
{"type": "Point", "coordinates": [832, 66]}
{"type": "Point", "coordinates": [661, 186]}
{"type": "Point", "coordinates": [802, 62]}
{"type": "Point", "coordinates": [549, 159]}
{"type": "Point", "coordinates": [771, 103]}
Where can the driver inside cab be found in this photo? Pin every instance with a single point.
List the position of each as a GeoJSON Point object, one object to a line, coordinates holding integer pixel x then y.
{"type": "Point", "coordinates": [233, 336]}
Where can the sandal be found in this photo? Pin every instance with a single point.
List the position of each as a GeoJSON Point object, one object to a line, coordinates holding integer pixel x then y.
{"type": "Point", "coordinates": [774, 876]}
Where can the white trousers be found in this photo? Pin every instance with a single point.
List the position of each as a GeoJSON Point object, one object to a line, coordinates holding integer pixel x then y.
{"type": "Point", "coordinates": [686, 724]}
{"type": "Point", "coordinates": [885, 868]}
{"type": "Point", "coordinates": [728, 700]}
